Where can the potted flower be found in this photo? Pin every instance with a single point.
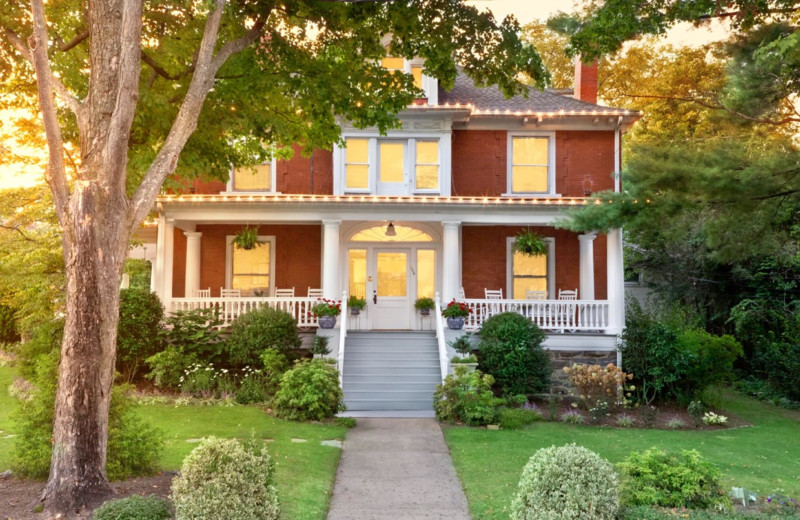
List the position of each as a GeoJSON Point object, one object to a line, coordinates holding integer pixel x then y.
{"type": "Point", "coordinates": [246, 239]}
{"type": "Point", "coordinates": [529, 243]}
{"type": "Point", "coordinates": [456, 313]}
{"type": "Point", "coordinates": [356, 304]}
{"type": "Point", "coordinates": [326, 312]}
{"type": "Point", "coordinates": [465, 357]}
{"type": "Point", "coordinates": [424, 305]}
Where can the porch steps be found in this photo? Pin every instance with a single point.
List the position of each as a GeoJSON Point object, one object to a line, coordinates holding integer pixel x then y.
{"type": "Point", "coordinates": [390, 371]}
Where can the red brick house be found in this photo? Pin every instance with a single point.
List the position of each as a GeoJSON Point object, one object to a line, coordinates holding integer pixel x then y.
{"type": "Point", "coordinates": [430, 209]}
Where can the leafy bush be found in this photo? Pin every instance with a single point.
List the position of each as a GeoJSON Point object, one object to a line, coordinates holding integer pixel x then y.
{"type": "Point", "coordinates": [275, 365]}
{"type": "Point", "coordinates": [223, 478]}
{"type": "Point", "coordinates": [763, 391]}
{"type": "Point", "coordinates": [320, 346]}
{"type": "Point", "coordinates": [467, 397]}
{"type": "Point", "coordinates": [310, 391]}
{"type": "Point", "coordinates": [138, 270]}
{"type": "Point", "coordinates": [597, 384]}
{"type": "Point", "coordinates": [253, 387]}
{"type": "Point", "coordinates": [778, 362]}
{"type": "Point", "coordinates": [260, 329]}
{"type": "Point", "coordinates": [625, 421]}
{"type": "Point", "coordinates": [656, 477]}
{"type": "Point", "coordinates": [190, 337]}
{"type": "Point", "coordinates": [134, 447]}
{"type": "Point", "coordinates": [516, 418]}
{"type": "Point", "coordinates": [566, 482]}
{"type": "Point", "coordinates": [709, 361]}
{"type": "Point", "coordinates": [511, 351]}
{"type": "Point", "coordinates": [134, 507]}
{"type": "Point", "coordinates": [571, 417]}
{"type": "Point", "coordinates": [138, 331]}
{"type": "Point", "coordinates": [45, 339]}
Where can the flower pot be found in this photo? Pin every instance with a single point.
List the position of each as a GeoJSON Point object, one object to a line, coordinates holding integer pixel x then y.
{"type": "Point", "coordinates": [471, 367]}
{"type": "Point", "coordinates": [354, 311]}
{"type": "Point", "coordinates": [326, 322]}
{"type": "Point", "coordinates": [455, 323]}
{"type": "Point", "coordinates": [425, 312]}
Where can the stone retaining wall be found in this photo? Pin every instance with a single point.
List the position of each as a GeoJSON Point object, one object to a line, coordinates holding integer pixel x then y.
{"type": "Point", "coordinates": [563, 358]}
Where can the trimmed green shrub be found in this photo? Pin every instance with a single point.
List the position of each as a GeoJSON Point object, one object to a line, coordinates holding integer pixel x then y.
{"type": "Point", "coordinates": [134, 507]}
{"type": "Point", "coordinates": [657, 477]}
{"type": "Point", "coordinates": [138, 330]}
{"type": "Point", "coordinates": [516, 418]}
{"type": "Point", "coordinates": [260, 329]}
{"type": "Point", "coordinates": [134, 447]}
{"type": "Point", "coordinates": [566, 482]}
{"type": "Point", "coordinates": [511, 351]}
{"type": "Point", "coordinates": [310, 391]}
{"type": "Point", "coordinates": [467, 397]}
{"type": "Point", "coordinates": [223, 478]}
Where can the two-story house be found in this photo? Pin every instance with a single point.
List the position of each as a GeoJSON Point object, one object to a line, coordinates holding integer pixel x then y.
{"type": "Point", "coordinates": [429, 209]}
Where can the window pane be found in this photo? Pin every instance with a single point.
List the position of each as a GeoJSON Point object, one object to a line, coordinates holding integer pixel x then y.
{"type": "Point", "coordinates": [426, 269]}
{"type": "Point", "coordinates": [526, 265]}
{"type": "Point", "coordinates": [427, 177]}
{"type": "Point", "coordinates": [251, 267]}
{"type": "Point", "coordinates": [391, 274]}
{"type": "Point", "coordinates": [392, 63]}
{"type": "Point", "coordinates": [357, 262]}
{"type": "Point", "coordinates": [530, 150]}
{"type": "Point", "coordinates": [392, 166]}
{"type": "Point", "coordinates": [529, 179]}
{"type": "Point", "coordinates": [357, 151]}
{"type": "Point", "coordinates": [357, 176]}
{"type": "Point", "coordinates": [253, 178]}
{"type": "Point", "coordinates": [427, 152]}
{"type": "Point", "coordinates": [402, 234]}
{"type": "Point", "coordinates": [528, 284]}
{"type": "Point", "coordinates": [417, 73]}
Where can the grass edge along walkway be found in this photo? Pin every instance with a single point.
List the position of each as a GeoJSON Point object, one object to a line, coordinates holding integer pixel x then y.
{"type": "Point", "coordinates": [763, 458]}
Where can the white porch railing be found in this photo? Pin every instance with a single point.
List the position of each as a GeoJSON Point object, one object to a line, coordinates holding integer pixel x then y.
{"type": "Point", "coordinates": [549, 315]}
{"type": "Point", "coordinates": [437, 318]}
{"type": "Point", "coordinates": [342, 337]}
{"type": "Point", "coordinates": [231, 308]}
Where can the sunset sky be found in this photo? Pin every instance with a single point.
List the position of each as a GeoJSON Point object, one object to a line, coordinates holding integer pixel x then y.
{"type": "Point", "coordinates": [525, 11]}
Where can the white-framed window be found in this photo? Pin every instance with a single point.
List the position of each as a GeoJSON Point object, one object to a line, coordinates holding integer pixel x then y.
{"type": "Point", "coordinates": [392, 165]}
{"type": "Point", "coordinates": [252, 270]}
{"type": "Point", "coordinates": [530, 273]}
{"type": "Point", "coordinates": [259, 178]}
{"type": "Point", "coordinates": [531, 163]}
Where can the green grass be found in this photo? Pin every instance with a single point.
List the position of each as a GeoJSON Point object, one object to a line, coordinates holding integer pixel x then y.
{"type": "Point", "coordinates": [763, 458]}
{"type": "Point", "coordinates": [304, 472]}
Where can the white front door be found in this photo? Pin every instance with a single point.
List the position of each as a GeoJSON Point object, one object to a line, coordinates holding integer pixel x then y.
{"type": "Point", "coordinates": [392, 168]}
{"type": "Point", "coordinates": [391, 304]}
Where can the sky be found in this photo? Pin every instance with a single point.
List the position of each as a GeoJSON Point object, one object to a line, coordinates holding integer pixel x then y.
{"type": "Point", "coordinates": [525, 10]}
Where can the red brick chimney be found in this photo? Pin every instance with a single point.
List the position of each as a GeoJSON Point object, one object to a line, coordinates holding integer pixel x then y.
{"type": "Point", "coordinates": [585, 86]}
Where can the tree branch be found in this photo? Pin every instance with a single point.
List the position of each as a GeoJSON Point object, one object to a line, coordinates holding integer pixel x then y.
{"type": "Point", "coordinates": [18, 230]}
{"type": "Point", "coordinates": [55, 174]}
{"type": "Point", "coordinates": [158, 69]}
{"type": "Point", "coordinates": [68, 46]}
{"type": "Point", "coordinates": [185, 123]}
{"type": "Point", "coordinates": [72, 102]}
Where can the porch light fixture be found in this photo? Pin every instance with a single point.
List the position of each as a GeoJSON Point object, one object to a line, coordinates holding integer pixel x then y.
{"type": "Point", "coordinates": [390, 232]}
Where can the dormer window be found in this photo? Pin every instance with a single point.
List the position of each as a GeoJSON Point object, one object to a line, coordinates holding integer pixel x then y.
{"type": "Point", "coordinates": [413, 67]}
{"type": "Point", "coordinates": [259, 178]}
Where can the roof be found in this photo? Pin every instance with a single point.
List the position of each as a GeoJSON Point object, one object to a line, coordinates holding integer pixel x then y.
{"type": "Point", "coordinates": [491, 99]}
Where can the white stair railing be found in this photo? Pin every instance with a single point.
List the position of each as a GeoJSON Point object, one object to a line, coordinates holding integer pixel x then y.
{"type": "Point", "coordinates": [342, 336]}
{"type": "Point", "coordinates": [438, 319]}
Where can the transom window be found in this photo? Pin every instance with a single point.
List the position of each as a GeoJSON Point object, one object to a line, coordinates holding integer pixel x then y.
{"type": "Point", "coordinates": [529, 276]}
{"type": "Point", "coordinates": [530, 167]}
{"type": "Point", "coordinates": [402, 234]}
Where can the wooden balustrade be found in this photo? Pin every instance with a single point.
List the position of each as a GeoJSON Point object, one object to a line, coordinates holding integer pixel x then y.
{"type": "Point", "coordinates": [231, 308]}
{"type": "Point", "coordinates": [549, 315]}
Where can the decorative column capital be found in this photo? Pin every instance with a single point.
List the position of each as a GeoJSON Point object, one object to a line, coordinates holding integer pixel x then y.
{"type": "Point", "coordinates": [331, 222]}
{"type": "Point", "coordinates": [192, 234]}
{"type": "Point", "coordinates": [587, 236]}
{"type": "Point", "coordinates": [451, 223]}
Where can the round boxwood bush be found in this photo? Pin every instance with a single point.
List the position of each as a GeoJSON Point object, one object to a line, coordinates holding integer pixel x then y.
{"type": "Point", "coordinates": [566, 482]}
{"type": "Point", "coordinates": [138, 330]}
{"type": "Point", "coordinates": [466, 397]}
{"type": "Point", "coordinates": [510, 349]}
{"type": "Point", "coordinates": [260, 329]}
{"type": "Point", "coordinates": [310, 392]}
{"type": "Point", "coordinates": [223, 478]}
{"type": "Point", "coordinates": [134, 507]}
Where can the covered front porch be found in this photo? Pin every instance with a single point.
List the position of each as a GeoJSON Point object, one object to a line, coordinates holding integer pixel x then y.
{"type": "Point", "coordinates": [335, 246]}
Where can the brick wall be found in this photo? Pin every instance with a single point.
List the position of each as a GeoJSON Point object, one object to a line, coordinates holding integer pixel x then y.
{"type": "Point", "coordinates": [294, 175]}
{"type": "Point", "coordinates": [298, 251]}
{"type": "Point", "coordinates": [584, 161]}
{"type": "Point", "coordinates": [484, 257]}
{"type": "Point", "coordinates": [479, 162]}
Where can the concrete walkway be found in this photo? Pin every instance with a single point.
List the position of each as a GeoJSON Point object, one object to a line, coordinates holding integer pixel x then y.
{"type": "Point", "coordinates": [397, 469]}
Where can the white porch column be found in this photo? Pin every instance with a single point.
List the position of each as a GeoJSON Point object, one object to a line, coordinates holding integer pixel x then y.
{"type": "Point", "coordinates": [157, 278]}
{"type": "Point", "coordinates": [192, 262]}
{"type": "Point", "coordinates": [330, 259]}
{"type": "Point", "coordinates": [586, 264]}
{"type": "Point", "coordinates": [451, 265]}
{"type": "Point", "coordinates": [169, 253]}
{"type": "Point", "coordinates": [615, 282]}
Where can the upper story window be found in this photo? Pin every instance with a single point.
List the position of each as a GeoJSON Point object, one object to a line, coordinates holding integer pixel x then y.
{"type": "Point", "coordinates": [391, 165]}
{"type": "Point", "coordinates": [258, 178]}
{"type": "Point", "coordinates": [531, 168]}
{"type": "Point", "coordinates": [413, 67]}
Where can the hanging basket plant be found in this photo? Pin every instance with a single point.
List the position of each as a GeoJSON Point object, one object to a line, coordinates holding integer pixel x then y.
{"type": "Point", "coordinates": [529, 243]}
{"type": "Point", "coordinates": [246, 239]}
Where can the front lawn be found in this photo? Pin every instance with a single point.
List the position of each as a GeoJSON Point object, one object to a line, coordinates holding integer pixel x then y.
{"type": "Point", "coordinates": [763, 458]}
{"type": "Point", "coordinates": [304, 468]}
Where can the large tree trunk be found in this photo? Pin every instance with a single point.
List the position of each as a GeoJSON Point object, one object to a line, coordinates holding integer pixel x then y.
{"type": "Point", "coordinates": [94, 248]}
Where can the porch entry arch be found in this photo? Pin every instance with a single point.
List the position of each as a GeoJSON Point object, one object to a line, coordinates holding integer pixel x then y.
{"type": "Point", "coordinates": [391, 271]}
